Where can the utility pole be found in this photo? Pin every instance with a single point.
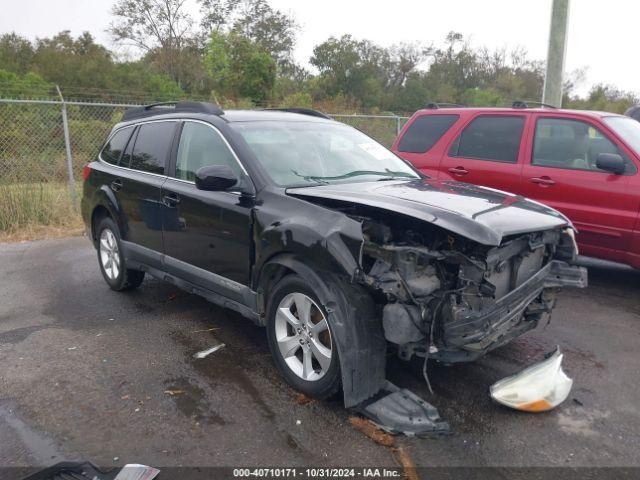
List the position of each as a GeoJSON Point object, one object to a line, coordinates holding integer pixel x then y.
{"type": "Point", "coordinates": [552, 94]}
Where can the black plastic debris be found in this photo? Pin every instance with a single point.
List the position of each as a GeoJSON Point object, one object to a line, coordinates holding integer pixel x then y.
{"type": "Point", "coordinates": [74, 471]}
{"type": "Point", "coordinates": [400, 411]}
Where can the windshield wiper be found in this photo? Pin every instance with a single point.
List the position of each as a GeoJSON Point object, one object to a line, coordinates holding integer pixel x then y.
{"type": "Point", "coordinates": [387, 174]}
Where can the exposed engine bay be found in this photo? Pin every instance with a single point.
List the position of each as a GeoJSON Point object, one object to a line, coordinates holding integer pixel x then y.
{"type": "Point", "coordinates": [451, 299]}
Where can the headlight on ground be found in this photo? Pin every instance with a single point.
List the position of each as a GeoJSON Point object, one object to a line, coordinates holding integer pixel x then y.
{"type": "Point", "coordinates": [537, 388]}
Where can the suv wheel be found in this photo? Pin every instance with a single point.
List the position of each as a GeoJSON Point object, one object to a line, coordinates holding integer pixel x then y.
{"type": "Point", "coordinates": [300, 339]}
{"type": "Point", "coordinates": [111, 259]}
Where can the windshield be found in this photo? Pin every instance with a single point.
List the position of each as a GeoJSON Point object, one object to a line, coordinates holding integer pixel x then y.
{"type": "Point", "coordinates": [628, 129]}
{"type": "Point", "coordinates": [311, 153]}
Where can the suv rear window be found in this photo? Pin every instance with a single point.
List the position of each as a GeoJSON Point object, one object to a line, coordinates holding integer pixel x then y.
{"type": "Point", "coordinates": [152, 146]}
{"type": "Point", "coordinates": [489, 137]}
{"type": "Point", "coordinates": [424, 132]}
{"type": "Point", "coordinates": [112, 151]}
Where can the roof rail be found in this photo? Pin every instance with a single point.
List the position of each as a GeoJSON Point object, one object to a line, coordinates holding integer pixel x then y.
{"type": "Point", "coordinates": [529, 104]}
{"type": "Point", "coordinates": [179, 107]}
{"type": "Point", "coordinates": [302, 111]}
{"type": "Point", "coordinates": [435, 106]}
{"type": "Point", "coordinates": [633, 112]}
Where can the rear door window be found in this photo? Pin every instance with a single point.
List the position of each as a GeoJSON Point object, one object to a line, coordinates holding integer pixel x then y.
{"type": "Point", "coordinates": [424, 132]}
{"type": "Point", "coordinates": [494, 138]}
{"type": "Point", "coordinates": [113, 149]}
{"type": "Point", "coordinates": [152, 147]}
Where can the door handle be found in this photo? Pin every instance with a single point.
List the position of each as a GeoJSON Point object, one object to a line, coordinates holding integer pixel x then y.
{"type": "Point", "coordinates": [116, 185]}
{"type": "Point", "coordinates": [458, 171]}
{"type": "Point", "coordinates": [543, 181]}
{"type": "Point", "coordinates": [171, 199]}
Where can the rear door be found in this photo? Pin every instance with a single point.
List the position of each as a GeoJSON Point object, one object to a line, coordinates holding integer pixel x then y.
{"type": "Point", "coordinates": [138, 188]}
{"type": "Point", "coordinates": [207, 235]}
{"type": "Point", "coordinates": [487, 152]}
{"type": "Point", "coordinates": [561, 172]}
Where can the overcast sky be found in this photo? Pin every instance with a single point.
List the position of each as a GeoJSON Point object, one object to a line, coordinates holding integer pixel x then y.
{"type": "Point", "coordinates": [602, 34]}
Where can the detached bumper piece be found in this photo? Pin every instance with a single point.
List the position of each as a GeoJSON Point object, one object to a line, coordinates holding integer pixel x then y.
{"type": "Point", "coordinates": [538, 388]}
{"type": "Point", "coordinates": [400, 411]}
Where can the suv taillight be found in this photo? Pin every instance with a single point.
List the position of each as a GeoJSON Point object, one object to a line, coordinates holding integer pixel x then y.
{"type": "Point", "coordinates": [86, 172]}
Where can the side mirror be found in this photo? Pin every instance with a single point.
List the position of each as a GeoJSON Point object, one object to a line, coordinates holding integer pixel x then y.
{"type": "Point", "coordinates": [611, 162]}
{"type": "Point", "coordinates": [215, 178]}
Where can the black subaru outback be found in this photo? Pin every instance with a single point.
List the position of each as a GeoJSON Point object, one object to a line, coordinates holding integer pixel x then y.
{"type": "Point", "coordinates": [314, 230]}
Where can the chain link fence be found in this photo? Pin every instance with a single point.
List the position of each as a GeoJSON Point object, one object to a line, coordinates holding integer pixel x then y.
{"type": "Point", "coordinates": [44, 145]}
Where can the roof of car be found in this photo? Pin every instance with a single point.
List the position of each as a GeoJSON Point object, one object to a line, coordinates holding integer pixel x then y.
{"type": "Point", "coordinates": [470, 110]}
{"type": "Point", "coordinates": [270, 115]}
{"type": "Point", "coordinates": [200, 109]}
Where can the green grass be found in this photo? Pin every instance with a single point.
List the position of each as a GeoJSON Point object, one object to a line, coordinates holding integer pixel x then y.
{"type": "Point", "coordinates": [31, 207]}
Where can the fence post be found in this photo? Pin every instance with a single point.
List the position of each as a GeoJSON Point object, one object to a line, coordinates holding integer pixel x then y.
{"type": "Point", "coordinates": [67, 146]}
{"type": "Point", "coordinates": [398, 126]}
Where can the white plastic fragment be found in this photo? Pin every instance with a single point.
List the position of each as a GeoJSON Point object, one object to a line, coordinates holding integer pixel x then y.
{"type": "Point", "coordinates": [209, 351]}
{"type": "Point", "coordinates": [538, 388]}
{"type": "Point", "coordinates": [135, 471]}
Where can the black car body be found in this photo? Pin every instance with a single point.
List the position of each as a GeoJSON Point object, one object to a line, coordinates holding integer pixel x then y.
{"type": "Point", "coordinates": [442, 270]}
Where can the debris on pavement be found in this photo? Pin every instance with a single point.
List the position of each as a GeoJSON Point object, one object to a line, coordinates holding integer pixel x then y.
{"type": "Point", "coordinates": [398, 410]}
{"type": "Point", "coordinates": [371, 430]}
{"type": "Point", "coordinates": [379, 436]}
{"type": "Point", "coordinates": [135, 471]}
{"type": "Point", "coordinates": [206, 330]}
{"type": "Point", "coordinates": [208, 351]}
{"type": "Point", "coordinates": [71, 348]}
{"type": "Point", "coordinates": [174, 392]}
{"type": "Point", "coordinates": [537, 388]}
{"type": "Point", "coordinates": [302, 399]}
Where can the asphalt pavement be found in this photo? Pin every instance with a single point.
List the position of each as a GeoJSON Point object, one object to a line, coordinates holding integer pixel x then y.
{"type": "Point", "coordinates": [91, 374]}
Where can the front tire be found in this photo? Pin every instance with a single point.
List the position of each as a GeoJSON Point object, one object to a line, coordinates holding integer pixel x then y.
{"type": "Point", "coordinates": [112, 261]}
{"type": "Point", "coordinates": [301, 339]}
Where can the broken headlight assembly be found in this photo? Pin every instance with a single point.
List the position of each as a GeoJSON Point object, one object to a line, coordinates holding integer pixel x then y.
{"type": "Point", "coordinates": [538, 388]}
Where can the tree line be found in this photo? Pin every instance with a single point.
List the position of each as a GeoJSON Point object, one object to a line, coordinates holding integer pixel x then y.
{"type": "Point", "coordinates": [240, 53]}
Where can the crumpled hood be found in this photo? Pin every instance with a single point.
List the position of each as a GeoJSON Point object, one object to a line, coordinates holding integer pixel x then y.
{"type": "Point", "coordinates": [478, 213]}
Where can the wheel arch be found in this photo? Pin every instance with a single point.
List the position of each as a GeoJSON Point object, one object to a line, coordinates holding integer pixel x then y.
{"type": "Point", "coordinates": [105, 205]}
{"type": "Point", "coordinates": [352, 315]}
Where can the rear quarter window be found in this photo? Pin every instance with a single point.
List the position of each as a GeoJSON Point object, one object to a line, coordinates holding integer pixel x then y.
{"type": "Point", "coordinates": [112, 151]}
{"type": "Point", "coordinates": [424, 132]}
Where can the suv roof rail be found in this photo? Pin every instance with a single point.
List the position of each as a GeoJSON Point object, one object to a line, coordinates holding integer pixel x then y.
{"type": "Point", "coordinates": [634, 112]}
{"type": "Point", "coordinates": [186, 107]}
{"type": "Point", "coordinates": [302, 111]}
{"type": "Point", "coordinates": [435, 106]}
{"type": "Point", "coordinates": [531, 104]}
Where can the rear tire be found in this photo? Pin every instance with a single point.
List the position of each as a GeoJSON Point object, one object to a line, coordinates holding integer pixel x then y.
{"type": "Point", "coordinates": [111, 258]}
{"type": "Point", "coordinates": [301, 340]}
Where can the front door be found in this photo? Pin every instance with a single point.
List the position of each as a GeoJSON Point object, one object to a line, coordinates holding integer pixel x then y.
{"type": "Point", "coordinates": [207, 235]}
{"type": "Point", "coordinates": [487, 152]}
{"type": "Point", "coordinates": [561, 172]}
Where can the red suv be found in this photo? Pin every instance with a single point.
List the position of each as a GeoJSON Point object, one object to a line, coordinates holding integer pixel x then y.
{"type": "Point", "coordinates": [584, 164]}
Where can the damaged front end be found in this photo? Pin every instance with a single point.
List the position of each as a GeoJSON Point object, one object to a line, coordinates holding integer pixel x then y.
{"type": "Point", "coordinates": [449, 298]}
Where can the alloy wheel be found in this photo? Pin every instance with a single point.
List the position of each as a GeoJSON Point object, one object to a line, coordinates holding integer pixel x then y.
{"type": "Point", "coordinates": [303, 336]}
{"type": "Point", "coordinates": [109, 254]}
